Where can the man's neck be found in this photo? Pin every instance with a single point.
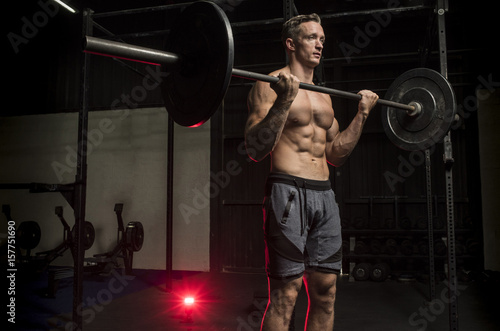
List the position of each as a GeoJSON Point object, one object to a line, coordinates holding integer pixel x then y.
{"type": "Point", "coordinates": [303, 73]}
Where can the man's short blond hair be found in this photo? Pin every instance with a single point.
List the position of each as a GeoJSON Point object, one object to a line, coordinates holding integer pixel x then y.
{"type": "Point", "coordinates": [291, 28]}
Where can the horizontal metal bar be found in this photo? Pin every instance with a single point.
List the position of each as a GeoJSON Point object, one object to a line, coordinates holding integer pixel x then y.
{"type": "Point", "coordinates": [279, 20]}
{"type": "Point", "coordinates": [152, 56]}
{"type": "Point", "coordinates": [375, 11]}
{"type": "Point", "coordinates": [129, 52]}
{"type": "Point", "coordinates": [328, 61]}
{"type": "Point", "coordinates": [320, 89]}
{"type": "Point", "coordinates": [140, 10]}
{"type": "Point", "coordinates": [37, 187]}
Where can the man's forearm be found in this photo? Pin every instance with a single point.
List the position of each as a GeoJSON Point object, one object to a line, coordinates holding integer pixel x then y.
{"type": "Point", "coordinates": [345, 141]}
{"type": "Point", "coordinates": [261, 138]}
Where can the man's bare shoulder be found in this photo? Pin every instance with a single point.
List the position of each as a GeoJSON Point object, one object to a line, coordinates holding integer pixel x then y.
{"type": "Point", "coordinates": [261, 88]}
{"type": "Point", "coordinates": [276, 72]}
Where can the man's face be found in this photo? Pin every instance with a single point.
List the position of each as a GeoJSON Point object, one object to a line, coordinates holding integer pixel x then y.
{"type": "Point", "coordinates": [309, 44]}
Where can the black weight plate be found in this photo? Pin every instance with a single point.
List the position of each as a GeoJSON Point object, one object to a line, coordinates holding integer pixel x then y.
{"type": "Point", "coordinates": [390, 247]}
{"type": "Point", "coordinates": [440, 248]}
{"type": "Point", "coordinates": [422, 223]}
{"type": "Point", "coordinates": [28, 235]}
{"type": "Point", "coordinates": [361, 271]}
{"type": "Point", "coordinates": [435, 94]}
{"type": "Point", "coordinates": [438, 223]}
{"type": "Point", "coordinates": [359, 223]}
{"type": "Point", "coordinates": [361, 248]}
{"type": "Point", "coordinates": [389, 223]}
{"type": "Point", "coordinates": [194, 90]}
{"type": "Point", "coordinates": [423, 247]}
{"type": "Point", "coordinates": [345, 223]}
{"type": "Point", "coordinates": [88, 235]}
{"type": "Point", "coordinates": [406, 247]}
{"type": "Point", "coordinates": [379, 272]}
{"type": "Point", "coordinates": [375, 246]}
{"type": "Point", "coordinates": [405, 223]}
{"type": "Point", "coordinates": [425, 97]}
{"type": "Point", "coordinates": [134, 234]}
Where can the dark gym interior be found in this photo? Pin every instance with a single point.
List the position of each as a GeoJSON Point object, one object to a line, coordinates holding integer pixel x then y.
{"type": "Point", "coordinates": [174, 212]}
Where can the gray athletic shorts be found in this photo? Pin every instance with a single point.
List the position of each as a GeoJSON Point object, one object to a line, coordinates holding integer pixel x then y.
{"type": "Point", "coordinates": [301, 227]}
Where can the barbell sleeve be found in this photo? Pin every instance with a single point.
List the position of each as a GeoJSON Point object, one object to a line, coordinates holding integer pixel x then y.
{"type": "Point", "coordinates": [125, 51]}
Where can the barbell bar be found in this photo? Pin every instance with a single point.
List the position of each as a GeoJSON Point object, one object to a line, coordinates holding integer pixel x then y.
{"type": "Point", "coordinates": [198, 67]}
{"type": "Point", "coordinates": [412, 109]}
{"type": "Point", "coordinates": [156, 57]}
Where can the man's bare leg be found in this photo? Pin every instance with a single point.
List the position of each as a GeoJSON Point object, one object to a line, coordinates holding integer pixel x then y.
{"type": "Point", "coordinates": [321, 289]}
{"type": "Point", "coordinates": [282, 297]}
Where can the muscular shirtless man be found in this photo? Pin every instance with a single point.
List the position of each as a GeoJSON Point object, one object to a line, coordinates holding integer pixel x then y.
{"type": "Point", "coordinates": [301, 218]}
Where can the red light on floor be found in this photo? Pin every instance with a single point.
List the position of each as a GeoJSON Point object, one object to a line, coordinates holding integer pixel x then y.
{"type": "Point", "coordinates": [188, 308]}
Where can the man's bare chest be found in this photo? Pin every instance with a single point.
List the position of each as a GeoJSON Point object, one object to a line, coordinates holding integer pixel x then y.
{"type": "Point", "coordinates": [310, 108]}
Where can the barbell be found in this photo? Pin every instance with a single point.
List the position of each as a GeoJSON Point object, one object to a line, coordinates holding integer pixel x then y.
{"type": "Point", "coordinates": [418, 111]}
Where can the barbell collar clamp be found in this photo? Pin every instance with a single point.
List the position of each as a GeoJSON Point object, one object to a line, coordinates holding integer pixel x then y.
{"type": "Point", "coordinates": [417, 109]}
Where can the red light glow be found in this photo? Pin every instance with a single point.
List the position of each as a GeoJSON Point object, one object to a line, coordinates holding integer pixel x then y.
{"type": "Point", "coordinates": [188, 301]}
{"type": "Point", "coordinates": [122, 58]}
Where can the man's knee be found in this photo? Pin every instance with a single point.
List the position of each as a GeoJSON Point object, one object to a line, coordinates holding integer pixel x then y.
{"type": "Point", "coordinates": [327, 290]}
{"type": "Point", "coordinates": [325, 302]}
{"type": "Point", "coordinates": [284, 295]}
{"type": "Point", "coordinates": [322, 291]}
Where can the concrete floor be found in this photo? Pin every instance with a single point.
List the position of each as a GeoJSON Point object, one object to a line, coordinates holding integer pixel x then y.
{"type": "Point", "coordinates": [231, 301]}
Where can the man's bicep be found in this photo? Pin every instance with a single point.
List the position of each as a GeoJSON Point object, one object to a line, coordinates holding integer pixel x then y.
{"type": "Point", "coordinates": [332, 132]}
